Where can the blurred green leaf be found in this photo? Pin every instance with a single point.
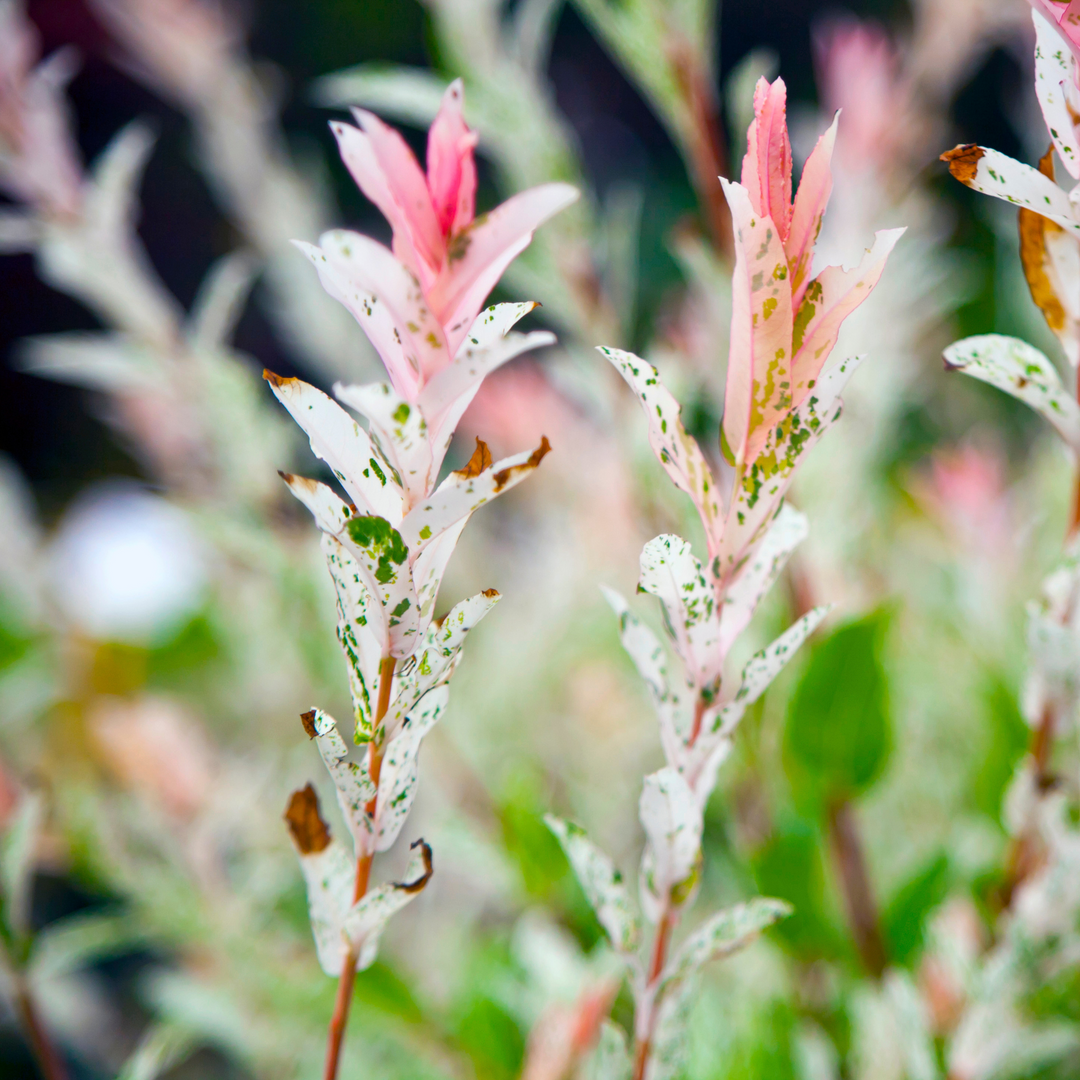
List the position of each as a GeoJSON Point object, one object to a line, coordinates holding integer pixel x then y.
{"type": "Point", "coordinates": [904, 919]}
{"type": "Point", "coordinates": [837, 737]}
{"type": "Point", "coordinates": [492, 1040]}
{"type": "Point", "coordinates": [1007, 742]}
{"type": "Point", "coordinates": [193, 650]}
{"type": "Point", "coordinates": [380, 987]}
{"type": "Point", "coordinates": [791, 867]}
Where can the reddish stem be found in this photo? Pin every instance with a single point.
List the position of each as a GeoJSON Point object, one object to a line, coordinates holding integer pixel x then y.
{"type": "Point", "coordinates": [656, 966]}
{"type": "Point", "coordinates": [340, 1017]}
{"type": "Point", "coordinates": [48, 1060]}
{"type": "Point", "coordinates": [858, 894]}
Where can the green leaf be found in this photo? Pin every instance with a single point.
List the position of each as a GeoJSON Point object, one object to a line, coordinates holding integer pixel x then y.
{"type": "Point", "coordinates": [838, 732]}
{"type": "Point", "coordinates": [904, 918]}
{"type": "Point", "coordinates": [492, 1040]}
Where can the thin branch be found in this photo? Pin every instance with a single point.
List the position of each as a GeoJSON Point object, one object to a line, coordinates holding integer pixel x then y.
{"type": "Point", "coordinates": [343, 999]}
{"type": "Point", "coordinates": [656, 967]}
{"type": "Point", "coordinates": [48, 1059]}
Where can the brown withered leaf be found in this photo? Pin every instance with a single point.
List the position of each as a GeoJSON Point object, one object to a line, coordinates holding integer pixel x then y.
{"type": "Point", "coordinates": [309, 832]}
{"type": "Point", "coordinates": [276, 380]}
{"type": "Point", "coordinates": [480, 460]}
{"type": "Point", "coordinates": [417, 884]}
{"type": "Point", "coordinates": [503, 475]}
{"type": "Point", "coordinates": [1034, 229]}
{"type": "Point", "coordinates": [308, 720]}
{"type": "Point", "coordinates": [963, 161]}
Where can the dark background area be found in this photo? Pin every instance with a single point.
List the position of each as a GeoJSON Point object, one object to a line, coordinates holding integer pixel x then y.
{"type": "Point", "coordinates": [52, 431]}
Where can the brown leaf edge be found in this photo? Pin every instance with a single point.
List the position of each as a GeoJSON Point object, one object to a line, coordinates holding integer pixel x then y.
{"type": "Point", "coordinates": [503, 476]}
{"type": "Point", "coordinates": [418, 884]}
{"type": "Point", "coordinates": [964, 161]}
{"type": "Point", "coordinates": [1033, 229]}
{"type": "Point", "coordinates": [480, 460]}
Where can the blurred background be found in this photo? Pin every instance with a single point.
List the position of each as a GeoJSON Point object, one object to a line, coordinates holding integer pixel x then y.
{"type": "Point", "coordinates": [165, 616]}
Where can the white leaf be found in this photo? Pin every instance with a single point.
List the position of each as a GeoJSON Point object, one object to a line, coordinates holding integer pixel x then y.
{"type": "Point", "coordinates": [788, 529]}
{"type": "Point", "coordinates": [18, 233]}
{"type": "Point", "coordinates": [412, 95]}
{"type": "Point", "coordinates": [76, 941]}
{"type": "Point", "coordinates": [160, 1049]}
{"type": "Point", "coordinates": [1022, 371]}
{"type": "Point", "coordinates": [609, 1059]}
{"type": "Point", "coordinates": [724, 933]}
{"type": "Point", "coordinates": [1054, 74]}
{"type": "Point", "coordinates": [221, 299]}
{"type": "Point", "coordinates": [601, 882]}
{"type": "Point", "coordinates": [671, 572]}
{"type": "Point", "coordinates": [436, 657]}
{"type": "Point", "coordinates": [650, 659]}
{"type": "Point", "coordinates": [459, 495]}
{"type": "Point", "coordinates": [359, 642]}
{"type": "Point", "coordinates": [352, 781]}
{"type": "Point", "coordinates": [994, 173]}
{"type": "Point", "coordinates": [330, 875]}
{"type": "Point", "coordinates": [364, 923]}
{"type": "Point", "coordinates": [343, 444]}
{"type": "Point", "coordinates": [678, 452]}
{"type": "Point", "coordinates": [400, 768]}
{"type": "Point", "coordinates": [399, 430]}
{"type": "Point", "coordinates": [106, 362]}
{"type": "Point", "coordinates": [673, 826]}
{"type": "Point", "coordinates": [668, 1050]}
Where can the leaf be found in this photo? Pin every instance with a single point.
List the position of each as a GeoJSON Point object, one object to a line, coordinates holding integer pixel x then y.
{"type": "Point", "coordinates": [221, 299]}
{"type": "Point", "coordinates": [993, 173]}
{"type": "Point", "coordinates": [400, 431]}
{"type": "Point", "coordinates": [76, 941]}
{"type": "Point", "coordinates": [352, 780]}
{"type": "Point", "coordinates": [673, 825]}
{"type": "Point", "coordinates": [342, 443]}
{"type": "Point", "coordinates": [763, 482]}
{"type": "Point", "coordinates": [411, 95]}
{"type": "Point", "coordinates": [724, 933]}
{"type": "Point", "coordinates": [602, 883]}
{"type": "Point", "coordinates": [106, 362]}
{"type": "Point", "coordinates": [678, 452]}
{"type": "Point", "coordinates": [650, 659]}
{"type": "Point", "coordinates": [330, 875]}
{"type": "Point", "coordinates": [355, 634]}
{"type": "Point", "coordinates": [400, 769]}
{"type": "Point", "coordinates": [837, 737]}
{"type": "Point", "coordinates": [436, 657]}
{"type": "Point", "coordinates": [758, 574]}
{"type": "Point", "coordinates": [162, 1047]}
{"type": "Point", "coordinates": [1022, 371]}
{"type": "Point", "coordinates": [1054, 75]}
{"type": "Point", "coordinates": [609, 1059]}
{"type": "Point", "coordinates": [671, 573]}
{"type": "Point", "coordinates": [764, 666]}
{"type": "Point", "coordinates": [758, 391]}
{"type": "Point", "coordinates": [17, 849]}
{"type": "Point", "coordinates": [459, 495]}
{"type": "Point", "coordinates": [367, 918]}
{"type": "Point", "coordinates": [669, 1050]}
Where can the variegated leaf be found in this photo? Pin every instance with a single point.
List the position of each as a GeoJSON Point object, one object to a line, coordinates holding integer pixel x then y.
{"type": "Point", "coordinates": [400, 769]}
{"type": "Point", "coordinates": [993, 173]}
{"type": "Point", "coordinates": [365, 922]}
{"type": "Point", "coordinates": [669, 1049]}
{"type": "Point", "coordinates": [429, 568]}
{"type": "Point", "coordinates": [400, 431]}
{"type": "Point", "coordinates": [1054, 76]}
{"type": "Point", "coordinates": [601, 882]}
{"type": "Point", "coordinates": [673, 825]}
{"type": "Point", "coordinates": [761, 483]}
{"type": "Point", "coordinates": [609, 1059]}
{"type": "Point", "coordinates": [460, 494]}
{"type": "Point", "coordinates": [724, 933]}
{"type": "Point", "coordinates": [352, 780]}
{"type": "Point", "coordinates": [358, 640]}
{"type": "Point", "coordinates": [788, 529]}
{"type": "Point", "coordinates": [329, 873]}
{"type": "Point", "coordinates": [1024, 372]}
{"type": "Point", "coordinates": [17, 846]}
{"type": "Point", "coordinates": [764, 666]}
{"type": "Point", "coordinates": [678, 452]}
{"type": "Point", "coordinates": [650, 659]}
{"type": "Point", "coordinates": [671, 573]}
{"type": "Point", "coordinates": [436, 657]}
{"type": "Point", "coordinates": [343, 444]}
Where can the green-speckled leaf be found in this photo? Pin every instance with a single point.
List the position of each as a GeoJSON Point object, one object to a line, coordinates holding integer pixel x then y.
{"type": "Point", "coordinates": [352, 781]}
{"type": "Point", "coordinates": [1022, 371]}
{"type": "Point", "coordinates": [673, 825]}
{"type": "Point", "coordinates": [609, 1059]}
{"type": "Point", "coordinates": [601, 882]}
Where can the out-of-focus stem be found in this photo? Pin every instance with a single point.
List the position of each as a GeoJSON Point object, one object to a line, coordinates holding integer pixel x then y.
{"type": "Point", "coordinates": [48, 1060]}
{"type": "Point", "coordinates": [656, 966]}
{"type": "Point", "coordinates": [340, 1017]}
{"type": "Point", "coordinates": [708, 156]}
{"type": "Point", "coordinates": [1074, 518]}
{"type": "Point", "coordinates": [855, 881]}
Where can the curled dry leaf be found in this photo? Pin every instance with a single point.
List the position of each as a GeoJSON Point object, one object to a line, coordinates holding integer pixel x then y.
{"type": "Point", "coordinates": [309, 832]}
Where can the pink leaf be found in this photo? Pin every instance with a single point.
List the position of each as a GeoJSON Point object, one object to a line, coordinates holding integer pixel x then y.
{"type": "Point", "coordinates": [451, 170]}
{"type": "Point", "coordinates": [815, 186]}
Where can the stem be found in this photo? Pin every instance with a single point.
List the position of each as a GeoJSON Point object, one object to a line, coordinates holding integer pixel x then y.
{"type": "Point", "coordinates": [858, 895]}
{"type": "Point", "coordinates": [699, 715]}
{"type": "Point", "coordinates": [340, 1017]}
{"type": "Point", "coordinates": [1074, 517]}
{"type": "Point", "coordinates": [656, 966]}
{"type": "Point", "coordinates": [48, 1060]}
